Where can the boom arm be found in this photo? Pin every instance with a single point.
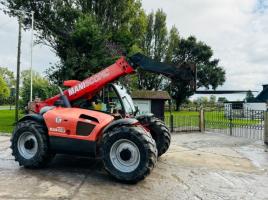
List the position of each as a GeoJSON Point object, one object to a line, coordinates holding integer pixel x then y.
{"type": "Point", "coordinates": [90, 86]}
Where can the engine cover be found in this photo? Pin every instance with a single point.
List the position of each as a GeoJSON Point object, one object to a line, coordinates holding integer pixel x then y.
{"type": "Point", "coordinates": [75, 130]}
{"type": "Point", "coordinates": [76, 123]}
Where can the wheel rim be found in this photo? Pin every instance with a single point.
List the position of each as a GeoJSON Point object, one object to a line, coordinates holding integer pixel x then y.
{"type": "Point", "coordinates": [27, 145]}
{"type": "Point", "coordinates": [125, 155]}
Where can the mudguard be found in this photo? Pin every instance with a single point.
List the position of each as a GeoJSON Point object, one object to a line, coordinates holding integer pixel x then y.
{"type": "Point", "coordinates": [145, 118]}
{"type": "Point", "coordinates": [120, 122]}
{"type": "Point", "coordinates": [34, 117]}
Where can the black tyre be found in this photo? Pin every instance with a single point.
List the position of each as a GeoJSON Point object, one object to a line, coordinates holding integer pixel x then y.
{"type": "Point", "coordinates": [129, 153]}
{"type": "Point", "coordinates": [159, 132]}
{"type": "Point", "coordinates": [29, 144]}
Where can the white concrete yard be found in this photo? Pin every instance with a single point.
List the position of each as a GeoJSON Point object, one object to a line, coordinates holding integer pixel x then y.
{"type": "Point", "coordinates": [197, 166]}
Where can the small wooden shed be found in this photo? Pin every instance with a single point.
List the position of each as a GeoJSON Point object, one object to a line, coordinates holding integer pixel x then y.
{"type": "Point", "coordinates": [151, 101]}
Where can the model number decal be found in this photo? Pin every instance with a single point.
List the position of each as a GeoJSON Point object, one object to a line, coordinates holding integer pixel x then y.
{"type": "Point", "coordinates": [58, 129]}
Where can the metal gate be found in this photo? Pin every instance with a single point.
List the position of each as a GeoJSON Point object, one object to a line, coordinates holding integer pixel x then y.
{"type": "Point", "coordinates": [236, 122]}
{"type": "Point", "coordinates": [183, 121]}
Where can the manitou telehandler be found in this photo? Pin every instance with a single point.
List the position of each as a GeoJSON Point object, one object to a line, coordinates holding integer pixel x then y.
{"type": "Point", "coordinates": [97, 117]}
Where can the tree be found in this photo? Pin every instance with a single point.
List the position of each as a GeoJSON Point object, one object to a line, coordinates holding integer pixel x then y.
{"type": "Point", "coordinates": [148, 36]}
{"type": "Point", "coordinates": [8, 76]}
{"type": "Point", "coordinates": [212, 100]}
{"type": "Point", "coordinates": [85, 48]}
{"type": "Point", "coordinates": [160, 35]}
{"type": "Point", "coordinates": [222, 100]}
{"type": "Point", "coordinates": [155, 46]}
{"type": "Point", "coordinates": [78, 30]}
{"type": "Point", "coordinates": [173, 42]}
{"type": "Point", "coordinates": [201, 101]}
{"type": "Point", "coordinates": [249, 96]}
{"type": "Point", "coordinates": [4, 90]}
{"type": "Point", "coordinates": [42, 88]}
{"type": "Point", "coordinates": [209, 74]}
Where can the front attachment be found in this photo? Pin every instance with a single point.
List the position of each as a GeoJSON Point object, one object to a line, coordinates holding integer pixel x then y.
{"type": "Point", "coordinates": [185, 71]}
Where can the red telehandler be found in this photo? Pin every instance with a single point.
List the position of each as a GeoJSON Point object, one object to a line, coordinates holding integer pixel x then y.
{"type": "Point", "coordinates": [97, 117]}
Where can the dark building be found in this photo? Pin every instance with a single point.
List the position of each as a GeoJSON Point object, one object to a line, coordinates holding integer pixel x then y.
{"type": "Point", "coordinates": [263, 96]}
{"type": "Point", "coordinates": [151, 101]}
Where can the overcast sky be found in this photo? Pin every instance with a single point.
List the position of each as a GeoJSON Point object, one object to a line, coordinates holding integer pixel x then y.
{"type": "Point", "coordinates": [237, 31]}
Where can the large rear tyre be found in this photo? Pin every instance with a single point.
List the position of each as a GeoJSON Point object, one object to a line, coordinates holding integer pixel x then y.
{"type": "Point", "coordinates": [159, 132]}
{"type": "Point", "coordinates": [29, 144]}
{"type": "Point", "coordinates": [129, 153]}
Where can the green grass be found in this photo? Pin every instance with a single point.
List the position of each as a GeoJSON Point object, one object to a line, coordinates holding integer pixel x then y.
{"type": "Point", "coordinates": [183, 113]}
{"type": "Point", "coordinates": [216, 119]}
{"type": "Point", "coordinates": [213, 119]}
{"type": "Point", "coordinates": [183, 118]}
{"type": "Point", "coordinates": [7, 119]}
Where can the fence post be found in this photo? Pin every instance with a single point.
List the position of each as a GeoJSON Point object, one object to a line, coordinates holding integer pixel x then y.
{"type": "Point", "coordinates": [231, 121]}
{"type": "Point", "coordinates": [201, 120]}
{"type": "Point", "coordinates": [266, 127]}
{"type": "Point", "coordinates": [171, 123]}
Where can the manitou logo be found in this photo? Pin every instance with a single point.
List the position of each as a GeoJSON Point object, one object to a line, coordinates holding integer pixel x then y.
{"type": "Point", "coordinates": [93, 79]}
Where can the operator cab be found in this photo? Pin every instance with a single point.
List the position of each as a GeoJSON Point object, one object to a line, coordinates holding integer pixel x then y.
{"type": "Point", "coordinates": [125, 99]}
{"type": "Point", "coordinates": [113, 99]}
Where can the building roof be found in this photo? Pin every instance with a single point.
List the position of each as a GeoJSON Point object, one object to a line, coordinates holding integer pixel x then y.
{"type": "Point", "coordinates": [263, 96]}
{"type": "Point", "coordinates": [148, 94]}
{"type": "Point", "coordinates": [234, 102]}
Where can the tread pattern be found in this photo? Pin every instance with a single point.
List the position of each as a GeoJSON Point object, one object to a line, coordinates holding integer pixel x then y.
{"type": "Point", "coordinates": [43, 156]}
{"type": "Point", "coordinates": [148, 143]}
{"type": "Point", "coordinates": [160, 133]}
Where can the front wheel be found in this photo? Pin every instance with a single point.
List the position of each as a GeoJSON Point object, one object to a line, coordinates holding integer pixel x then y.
{"type": "Point", "coordinates": [129, 153]}
{"type": "Point", "coordinates": [159, 132]}
{"type": "Point", "coordinates": [29, 144]}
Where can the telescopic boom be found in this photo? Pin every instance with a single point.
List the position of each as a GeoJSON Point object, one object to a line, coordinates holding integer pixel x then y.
{"type": "Point", "coordinates": [90, 86]}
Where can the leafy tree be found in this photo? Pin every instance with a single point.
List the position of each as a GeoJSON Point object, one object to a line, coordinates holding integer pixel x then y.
{"type": "Point", "coordinates": [173, 42]}
{"type": "Point", "coordinates": [4, 90]}
{"type": "Point", "coordinates": [42, 88]}
{"type": "Point", "coordinates": [8, 76]}
{"type": "Point", "coordinates": [154, 46]}
{"type": "Point", "coordinates": [201, 101]}
{"type": "Point", "coordinates": [222, 99]}
{"type": "Point", "coordinates": [85, 48]}
{"type": "Point", "coordinates": [209, 74]}
{"type": "Point", "coordinates": [148, 36]}
{"type": "Point", "coordinates": [212, 99]}
{"type": "Point", "coordinates": [160, 35]}
{"type": "Point", "coordinates": [249, 96]}
{"type": "Point", "coordinates": [78, 30]}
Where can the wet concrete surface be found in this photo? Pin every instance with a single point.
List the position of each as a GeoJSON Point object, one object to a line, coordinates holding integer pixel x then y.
{"type": "Point", "coordinates": [197, 166]}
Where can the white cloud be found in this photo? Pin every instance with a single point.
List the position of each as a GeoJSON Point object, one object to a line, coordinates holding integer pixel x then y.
{"type": "Point", "coordinates": [235, 29]}
{"type": "Point", "coordinates": [42, 55]}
